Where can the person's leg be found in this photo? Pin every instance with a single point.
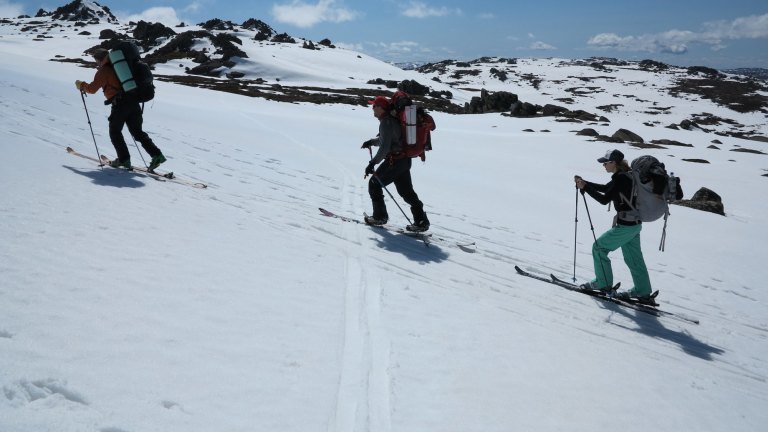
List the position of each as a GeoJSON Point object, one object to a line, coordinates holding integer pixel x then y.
{"type": "Point", "coordinates": [404, 186]}
{"type": "Point", "coordinates": [611, 240]}
{"type": "Point", "coordinates": [116, 123]}
{"type": "Point", "coordinates": [633, 257]}
{"type": "Point", "coordinates": [134, 121]}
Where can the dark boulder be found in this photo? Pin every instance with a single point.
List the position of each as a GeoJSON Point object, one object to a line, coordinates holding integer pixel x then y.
{"type": "Point", "coordinates": [705, 200]}
{"type": "Point", "coordinates": [627, 136]}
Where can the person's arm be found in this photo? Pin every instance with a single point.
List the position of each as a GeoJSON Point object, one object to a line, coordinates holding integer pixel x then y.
{"type": "Point", "coordinates": [99, 81]}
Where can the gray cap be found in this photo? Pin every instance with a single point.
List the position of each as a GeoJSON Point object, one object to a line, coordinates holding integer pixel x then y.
{"type": "Point", "coordinates": [612, 155]}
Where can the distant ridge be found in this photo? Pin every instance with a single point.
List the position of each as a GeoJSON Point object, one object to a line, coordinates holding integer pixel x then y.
{"type": "Point", "coordinates": [760, 73]}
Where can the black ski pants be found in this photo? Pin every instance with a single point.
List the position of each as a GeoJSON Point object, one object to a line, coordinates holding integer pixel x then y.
{"type": "Point", "coordinates": [127, 111]}
{"type": "Point", "coordinates": [397, 171]}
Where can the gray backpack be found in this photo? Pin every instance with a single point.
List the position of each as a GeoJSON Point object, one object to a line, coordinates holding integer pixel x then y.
{"type": "Point", "coordinates": [652, 191]}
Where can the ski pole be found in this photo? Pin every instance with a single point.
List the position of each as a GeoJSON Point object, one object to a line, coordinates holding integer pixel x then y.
{"type": "Point", "coordinates": [575, 231]}
{"type": "Point", "coordinates": [393, 199]}
{"type": "Point", "coordinates": [139, 150]}
{"type": "Point", "coordinates": [82, 96]}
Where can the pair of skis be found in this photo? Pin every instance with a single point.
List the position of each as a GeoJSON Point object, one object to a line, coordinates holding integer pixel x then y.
{"type": "Point", "coordinates": [169, 176]}
{"type": "Point", "coordinates": [426, 237]}
{"type": "Point", "coordinates": [650, 309]}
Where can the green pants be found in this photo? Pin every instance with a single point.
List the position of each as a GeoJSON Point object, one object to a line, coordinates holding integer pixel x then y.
{"type": "Point", "coordinates": [628, 239]}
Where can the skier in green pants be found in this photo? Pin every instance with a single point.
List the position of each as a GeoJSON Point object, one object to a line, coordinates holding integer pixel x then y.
{"type": "Point", "coordinates": [623, 234]}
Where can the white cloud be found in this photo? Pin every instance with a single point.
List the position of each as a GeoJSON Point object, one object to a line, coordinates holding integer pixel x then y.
{"type": "Point", "coordinates": [165, 15]}
{"type": "Point", "coordinates": [10, 10]}
{"type": "Point", "coordinates": [486, 15]}
{"type": "Point", "coordinates": [306, 15]}
{"type": "Point", "coordinates": [402, 47]}
{"type": "Point", "coordinates": [750, 27]}
{"type": "Point", "coordinates": [541, 46]}
{"type": "Point", "coordinates": [417, 9]}
{"type": "Point", "coordinates": [350, 46]}
{"type": "Point", "coordinates": [714, 35]}
{"type": "Point", "coordinates": [195, 6]}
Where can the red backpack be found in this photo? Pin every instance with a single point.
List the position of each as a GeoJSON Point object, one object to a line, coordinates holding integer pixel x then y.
{"type": "Point", "coordinates": [416, 124]}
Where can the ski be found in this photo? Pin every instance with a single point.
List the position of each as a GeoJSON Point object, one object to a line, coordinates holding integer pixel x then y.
{"type": "Point", "coordinates": [640, 307]}
{"type": "Point", "coordinates": [424, 236]}
{"type": "Point", "coordinates": [153, 174]}
{"type": "Point", "coordinates": [159, 176]}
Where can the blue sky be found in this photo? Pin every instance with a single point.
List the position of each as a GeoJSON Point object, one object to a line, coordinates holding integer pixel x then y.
{"type": "Point", "coordinates": [719, 34]}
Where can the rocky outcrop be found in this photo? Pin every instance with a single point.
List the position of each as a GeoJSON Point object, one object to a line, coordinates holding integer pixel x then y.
{"type": "Point", "coordinates": [489, 102]}
{"type": "Point", "coordinates": [705, 200]}
{"type": "Point", "coordinates": [79, 11]}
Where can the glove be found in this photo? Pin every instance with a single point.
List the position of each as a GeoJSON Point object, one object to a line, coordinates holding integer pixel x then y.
{"type": "Point", "coordinates": [370, 169]}
{"type": "Point", "coordinates": [369, 143]}
{"type": "Point", "coordinates": [79, 85]}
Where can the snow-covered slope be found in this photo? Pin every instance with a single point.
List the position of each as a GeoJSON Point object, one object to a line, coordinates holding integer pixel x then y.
{"type": "Point", "coordinates": [129, 304]}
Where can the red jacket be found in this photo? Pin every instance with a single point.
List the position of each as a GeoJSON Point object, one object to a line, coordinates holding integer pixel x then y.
{"type": "Point", "coordinates": [105, 79]}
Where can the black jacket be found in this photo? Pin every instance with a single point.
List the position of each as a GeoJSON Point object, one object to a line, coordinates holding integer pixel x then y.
{"type": "Point", "coordinates": [620, 184]}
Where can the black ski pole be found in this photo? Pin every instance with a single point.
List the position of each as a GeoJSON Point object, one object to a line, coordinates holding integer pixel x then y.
{"type": "Point", "coordinates": [393, 199]}
{"type": "Point", "coordinates": [139, 150]}
{"type": "Point", "coordinates": [98, 155]}
{"type": "Point", "coordinates": [575, 231]}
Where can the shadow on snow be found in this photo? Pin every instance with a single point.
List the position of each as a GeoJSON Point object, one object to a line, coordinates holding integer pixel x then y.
{"type": "Point", "coordinates": [411, 247]}
{"type": "Point", "coordinates": [110, 177]}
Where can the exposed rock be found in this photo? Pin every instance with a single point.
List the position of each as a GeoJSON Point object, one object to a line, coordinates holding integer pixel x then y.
{"type": "Point", "coordinates": [413, 88]}
{"type": "Point", "coordinates": [610, 108]}
{"type": "Point", "coordinates": [491, 102]}
{"type": "Point", "coordinates": [627, 135]}
{"type": "Point", "coordinates": [78, 11]}
{"type": "Point", "coordinates": [740, 95]}
{"type": "Point", "coordinates": [260, 26]}
{"type": "Point", "coordinates": [500, 74]}
{"type": "Point", "coordinates": [217, 24]}
{"type": "Point", "coordinates": [703, 70]}
{"type": "Point", "coordinates": [148, 33]}
{"type": "Point", "coordinates": [696, 161]}
{"type": "Point", "coordinates": [652, 65]}
{"type": "Point", "coordinates": [283, 38]}
{"type": "Point", "coordinates": [670, 143]}
{"type": "Point", "coordinates": [579, 115]}
{"type": "Point", "coordinates": [705, 200]}
{"type": "Point", "coordinates": [688, 125]}
{"type": "Point", "coordinates": [746, 150]}
{"type": "Point", "coordinates": [552, 110]}
{"type": "Point", "coordinates": [109, 34]}
{"type": "Point", "coordinates": [609, 139]}
{"type": "Point", "coordinates": [387, 83]}
{"type": "Point", "coordinates": [588, 132]}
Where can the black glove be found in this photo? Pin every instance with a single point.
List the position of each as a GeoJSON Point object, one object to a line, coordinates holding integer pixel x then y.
{"type": "Point", "coordinates": [370, 169]}
{"type": "Point", "coordinates": [369, 143]}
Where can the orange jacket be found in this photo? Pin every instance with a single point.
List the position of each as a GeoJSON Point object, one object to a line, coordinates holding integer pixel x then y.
{"type": "Point", "coordinates": [105, 79]}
